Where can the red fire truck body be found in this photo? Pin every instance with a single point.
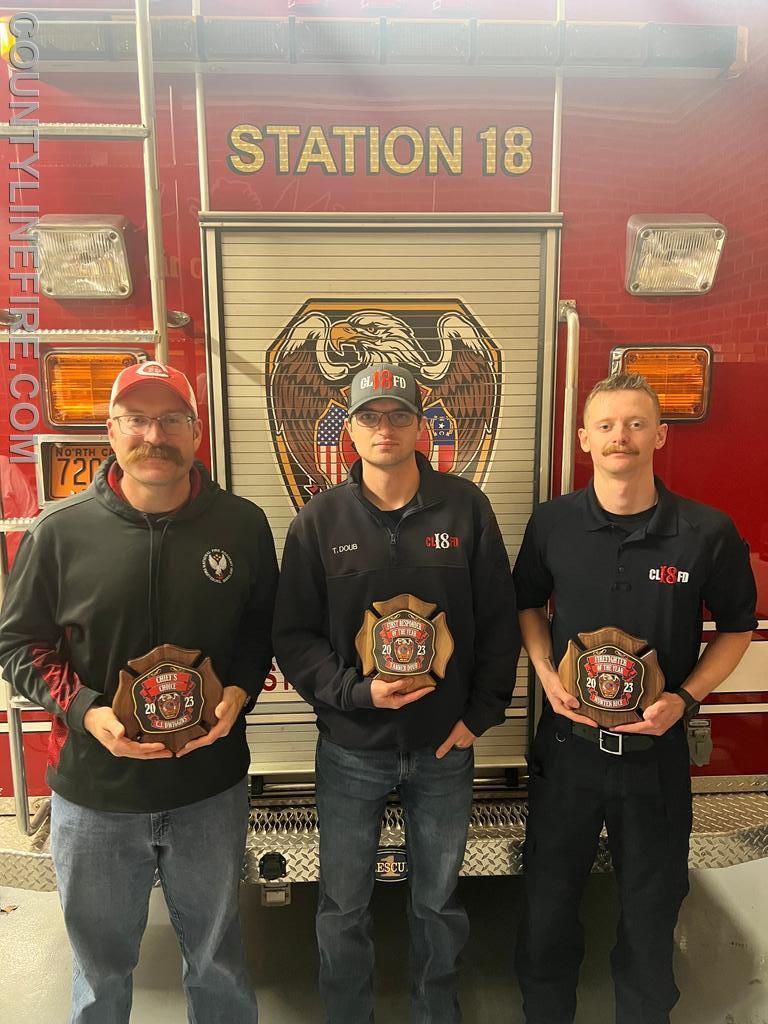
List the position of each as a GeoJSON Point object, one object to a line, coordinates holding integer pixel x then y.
{"type": "Point", "coordinates": [463, 173]}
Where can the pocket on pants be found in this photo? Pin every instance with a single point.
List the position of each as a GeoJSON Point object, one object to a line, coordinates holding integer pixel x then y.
{"type": "Point", "coordinates": [642, 779]}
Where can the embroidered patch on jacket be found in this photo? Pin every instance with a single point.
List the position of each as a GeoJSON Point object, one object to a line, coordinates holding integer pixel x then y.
{"type": "Point", "coordinates": [217, 565]}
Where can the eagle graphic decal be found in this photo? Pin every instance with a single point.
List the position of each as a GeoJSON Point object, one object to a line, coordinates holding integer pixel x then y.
{"type": "Point", "coordinates": [311, 363]}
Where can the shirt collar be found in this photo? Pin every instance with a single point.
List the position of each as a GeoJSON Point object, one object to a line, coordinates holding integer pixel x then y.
{"type": "Point", "coordinates": [429, 490]}
{"type": "Point", "coordinates": [115, 477]}
{"type": "Point", "coordinates": [663, 522]}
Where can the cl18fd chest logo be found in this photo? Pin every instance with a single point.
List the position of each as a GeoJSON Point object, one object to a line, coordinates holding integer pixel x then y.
{"type": "Point", "coordinates": [668, 574]}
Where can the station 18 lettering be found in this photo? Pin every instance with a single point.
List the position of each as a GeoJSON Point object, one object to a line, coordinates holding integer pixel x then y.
{"type": "Point", "coordinates": [290, 149]}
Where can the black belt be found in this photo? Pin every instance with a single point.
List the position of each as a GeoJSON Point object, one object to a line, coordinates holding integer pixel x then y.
{"type": "Point", "coordinates": [612, 742]}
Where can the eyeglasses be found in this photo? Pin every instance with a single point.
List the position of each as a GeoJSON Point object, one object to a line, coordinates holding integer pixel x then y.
{"type": "Point", "coordinates": [171, 423]}
{"type": "Point", "coordinates": [396, 418]}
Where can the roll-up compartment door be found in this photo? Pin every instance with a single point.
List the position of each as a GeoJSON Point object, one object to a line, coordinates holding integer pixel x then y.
{"type": "Point", "coordinates": [294, 311]}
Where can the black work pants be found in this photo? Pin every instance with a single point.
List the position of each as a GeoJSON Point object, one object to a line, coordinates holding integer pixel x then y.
{"type": "Point", "coordinates": [644, 799]}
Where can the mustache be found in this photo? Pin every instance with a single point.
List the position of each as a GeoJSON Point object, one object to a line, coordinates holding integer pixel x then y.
{"type": "Point", "coordinates": [155, 451]}
{"type": "Point", "coordinates": [612, 449]}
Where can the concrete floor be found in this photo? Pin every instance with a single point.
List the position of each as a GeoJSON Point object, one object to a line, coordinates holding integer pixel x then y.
{"type": "Point", "coordinates": [722, 955]}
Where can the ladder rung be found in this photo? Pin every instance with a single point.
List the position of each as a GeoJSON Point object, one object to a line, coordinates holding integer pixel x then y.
{"type": "Point", "coordinates": [63, 130]}
{"type": "Point", "coordinates": [16, 525]}
{"type": "Point", "coordinates": [139, 337]}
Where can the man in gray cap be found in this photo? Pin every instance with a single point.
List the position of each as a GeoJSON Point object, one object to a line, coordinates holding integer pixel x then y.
{"type": "Point", "coordinates": [395, 619]}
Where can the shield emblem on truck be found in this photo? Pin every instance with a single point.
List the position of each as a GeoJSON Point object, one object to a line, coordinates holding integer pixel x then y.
{"type": "Point", "coordinates": [311, 363]}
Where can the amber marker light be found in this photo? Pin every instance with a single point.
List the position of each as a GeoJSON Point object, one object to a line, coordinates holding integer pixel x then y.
{"type": "Point", "coordinates": [6, 39]}
{"type": "Point", "coordinates": [680, 376]}
{"type": "Point", "coordinates": [78, 384]}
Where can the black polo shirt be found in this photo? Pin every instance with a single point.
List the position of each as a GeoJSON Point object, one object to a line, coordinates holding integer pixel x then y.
{"type": "Point", "coordinates": [652, 583]}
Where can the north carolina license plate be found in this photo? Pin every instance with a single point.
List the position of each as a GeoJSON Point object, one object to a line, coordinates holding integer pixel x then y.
{"type": "Point", "coordinates": [72, 467]}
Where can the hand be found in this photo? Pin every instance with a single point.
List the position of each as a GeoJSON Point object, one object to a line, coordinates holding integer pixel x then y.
{"type": "Point", "coordinates": [658, 717]}
{"type": "Point", "coordinates": [387, 694]}
{"type": "Point", "coordinates": [563, 703]}
{"type": "Point", "coordinates": [103, 725]}
{"type": "Point", "coordinates": [227, 710]}
{"type": "Point", "coordinates": [459, 737]}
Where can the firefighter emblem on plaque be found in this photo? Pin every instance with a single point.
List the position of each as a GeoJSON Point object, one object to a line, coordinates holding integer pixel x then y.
{"type": "Point", "coordinates": [169, 696]}
{"type": "Point", "coordinates": [405, 640]}
{"type": "Point", "coordinates": [614, 675]}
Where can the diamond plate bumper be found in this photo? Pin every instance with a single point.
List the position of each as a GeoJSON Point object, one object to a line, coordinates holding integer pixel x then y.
{"type": "Point", "coordinates": [728, 828]}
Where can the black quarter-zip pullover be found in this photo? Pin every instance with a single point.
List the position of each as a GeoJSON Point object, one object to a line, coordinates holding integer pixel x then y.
{"type": "Point", "coordinates": [341, 555]}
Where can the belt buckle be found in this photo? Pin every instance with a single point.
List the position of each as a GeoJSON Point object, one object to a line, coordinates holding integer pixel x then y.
{"type": "Point", "coordinates": [615, 743]}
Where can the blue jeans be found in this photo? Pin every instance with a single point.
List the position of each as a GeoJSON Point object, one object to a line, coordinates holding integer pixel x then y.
{"type": "Point", "coordinates": [105, 865]}
{"type": "Point", "coordinates": [352, 789]}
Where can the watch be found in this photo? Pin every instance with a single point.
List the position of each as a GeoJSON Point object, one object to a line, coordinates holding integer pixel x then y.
{"type": "Point", "coordinates": [691, 704]}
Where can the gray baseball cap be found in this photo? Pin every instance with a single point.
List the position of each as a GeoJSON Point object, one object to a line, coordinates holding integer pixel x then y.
{"type": "Point", "coordinates": [384, 380]}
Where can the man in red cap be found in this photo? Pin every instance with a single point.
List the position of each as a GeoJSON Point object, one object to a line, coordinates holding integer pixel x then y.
{"type": "Point", "coordinates": [153, 553]}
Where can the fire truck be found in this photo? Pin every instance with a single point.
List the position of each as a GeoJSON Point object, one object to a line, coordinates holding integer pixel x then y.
{"type": "Point", "coordinates": [511, 197]}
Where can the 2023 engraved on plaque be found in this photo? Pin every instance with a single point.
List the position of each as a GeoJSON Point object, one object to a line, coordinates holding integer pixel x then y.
{"type": "Point", "coordinates": [406, 641]}
{"type": "Point", "coordinates": [169, 696]}
{"type": "Point", "coordinates": [614, 675]}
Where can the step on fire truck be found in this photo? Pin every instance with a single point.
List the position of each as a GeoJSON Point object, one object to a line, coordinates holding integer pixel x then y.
{"type": "Point", "coordinates": [511, 198]}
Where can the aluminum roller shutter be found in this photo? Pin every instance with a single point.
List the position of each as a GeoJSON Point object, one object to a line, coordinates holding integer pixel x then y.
{"type": "Point", "coordinates": [264, 277]}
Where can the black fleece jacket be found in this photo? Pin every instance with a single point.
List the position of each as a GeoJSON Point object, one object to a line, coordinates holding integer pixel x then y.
{"type": "Point", "coordinates": [96, 582]}
{"type": "Point", "coordinates": [341, 555]}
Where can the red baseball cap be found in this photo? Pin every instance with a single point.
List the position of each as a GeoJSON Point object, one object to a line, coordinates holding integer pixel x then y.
{"type": "Point", "coordinates": [153, 373]}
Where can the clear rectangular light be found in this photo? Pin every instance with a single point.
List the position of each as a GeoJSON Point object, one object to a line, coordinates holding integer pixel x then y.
{"type": "Point", "coordinates": [246, 39]}
{"type": "Point", "coordinates": [83, 257]}
{"type": "Point", "coordinates": [337, 39]}
{"type": "Point", "coordinates": [517, 42]}
{"type": "Point", "coordinates": [416, 41]}
{"type": "Point", "coordinates": [672, 254]}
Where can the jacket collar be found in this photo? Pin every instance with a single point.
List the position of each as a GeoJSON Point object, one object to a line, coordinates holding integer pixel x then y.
{"type": "Point", "coordinates": [429, 491]}
{"type": "Point", "coordinates": [663, 522]}
{"type": "Point", "coordinates": [109, 491]}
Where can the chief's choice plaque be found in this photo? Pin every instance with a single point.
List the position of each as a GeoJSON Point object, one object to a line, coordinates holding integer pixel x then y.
{"type": "Point", "coordinates": [169, 696]}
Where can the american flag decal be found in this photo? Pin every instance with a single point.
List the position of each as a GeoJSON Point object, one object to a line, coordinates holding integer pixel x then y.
{"type": "Point", "coordinates": [442, 427]}
{"type": "Point", "coordinates": [328, 457]}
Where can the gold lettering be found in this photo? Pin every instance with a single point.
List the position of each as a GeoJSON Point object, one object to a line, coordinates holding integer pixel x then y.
{"type": "Point", "coordinates": [316, 151]}
{"type": "Point", "coordinates": [417, 147]}
{"type": "Point", "coordinates": [244, 138]}
{"type": "Point", "coordinates": [438, 149]}
{"type": "Point", "coordinates": [488, 139]}
{"type": "Point", "coordinates": [517, 150]}
{"type": "Point", "coordinates": [348, 133]}
{"type": "Point", "coordinates": [283, 133]}
{"type": "Point", "coordinates": [374, 164]}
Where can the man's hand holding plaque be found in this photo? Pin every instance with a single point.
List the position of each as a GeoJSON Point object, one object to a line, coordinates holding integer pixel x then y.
{"type": "Point", "coordinates": [613, 675]}
{"type": "Point", "coordinates": [167, 696]}
{"type": "Point", "coordinates": [403, 646]}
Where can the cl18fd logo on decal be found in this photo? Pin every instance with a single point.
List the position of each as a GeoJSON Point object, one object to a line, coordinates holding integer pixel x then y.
{"type": "Point", "coordinates": [311, 363]}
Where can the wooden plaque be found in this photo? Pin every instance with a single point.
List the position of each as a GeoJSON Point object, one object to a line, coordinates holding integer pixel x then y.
{"type": "Point", "coordinates": [405, 640]}
{"type": "Point", "coordinates": [169, 696]}
{"type": "Point", "coordinates": [613, 674]}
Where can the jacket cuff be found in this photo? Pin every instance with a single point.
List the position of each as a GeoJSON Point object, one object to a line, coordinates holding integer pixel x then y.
{"type": "Point", "coordinates": [83, 700]}
{"type": "Point", "coordinates": [360, 694]}
{"type": "Point", "coordinates": [478, 719]}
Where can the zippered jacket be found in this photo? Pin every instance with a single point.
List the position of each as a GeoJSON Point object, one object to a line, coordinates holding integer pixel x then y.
{"type": "Point", "coordinates": [342, 554]}
{"type": "Point", "coordinates": [96, 582]}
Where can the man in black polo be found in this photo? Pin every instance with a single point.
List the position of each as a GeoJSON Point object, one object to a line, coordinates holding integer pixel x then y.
{"type": "Point", "coordinates": [628, 553]}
